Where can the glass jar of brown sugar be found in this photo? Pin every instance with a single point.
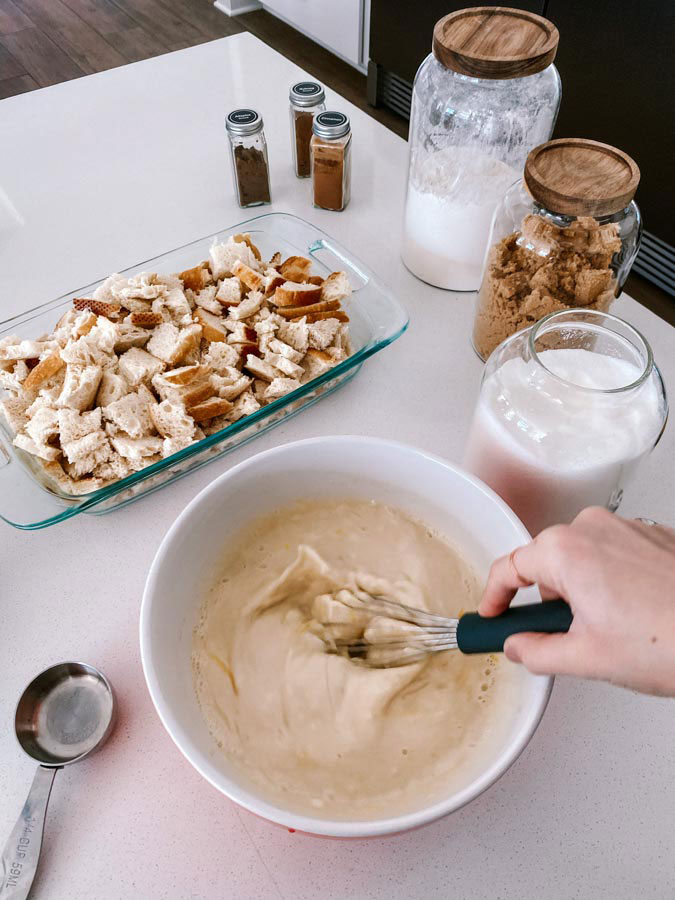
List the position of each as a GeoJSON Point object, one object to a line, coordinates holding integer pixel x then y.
{"type": "Point", "coordinates": [249, 157]}
{"type": "Point", "coordinates": [331, 160]}
{"type": "Point", "coordinates": [563, 238]}
{"type": "Point", "coordinates": [307, 100]}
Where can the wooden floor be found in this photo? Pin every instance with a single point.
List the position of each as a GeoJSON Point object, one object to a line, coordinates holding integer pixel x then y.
{"type": "Point", "coordinates": [44, 42]}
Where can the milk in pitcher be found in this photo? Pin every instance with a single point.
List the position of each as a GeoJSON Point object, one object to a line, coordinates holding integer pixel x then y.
{"type": "Point", "coordinates": [563, 430]}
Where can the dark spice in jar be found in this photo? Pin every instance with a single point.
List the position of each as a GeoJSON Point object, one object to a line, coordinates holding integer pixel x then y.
{"type": "Point", "coordinates": [303, 122]}
{"type": "Point", "coordinates": [307, 99]}
{"type": "Point", "coordinates": [252, 175]}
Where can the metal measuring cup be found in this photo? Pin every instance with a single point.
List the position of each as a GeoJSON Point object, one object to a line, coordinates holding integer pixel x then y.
{"type": "Point", "coordinates": [64, 714]}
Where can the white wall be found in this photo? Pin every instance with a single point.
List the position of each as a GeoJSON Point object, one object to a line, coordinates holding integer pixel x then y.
{"type": "Point", "coordinates": [342, 27]}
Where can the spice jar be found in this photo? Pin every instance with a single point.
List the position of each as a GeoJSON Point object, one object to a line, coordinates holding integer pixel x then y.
{"type": "Point", "coordinates": [331, 160]}
{"type": "Point", "coordinates": [249, 157]}
{"type": "Point", "coordinates": [563, 238]}
{"type": "Point", "coordinates": [307, 100]}
{"type": "Point", "coordinates": [485, 96]}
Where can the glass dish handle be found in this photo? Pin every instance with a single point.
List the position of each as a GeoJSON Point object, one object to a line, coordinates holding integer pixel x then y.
{"type": "Point", "coordinates": [325, 252]}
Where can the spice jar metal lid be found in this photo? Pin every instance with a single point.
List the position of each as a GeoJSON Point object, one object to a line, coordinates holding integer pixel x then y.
{"type": "Point", "coordinates": [306, 93]}
{"type": "Point", "coordinates": [244, 121]}
{"type": "Point", "coordinates": [495, 42]}
{"type": "Point", "coordinates": [578, 177]}
{"type": "Point", "coordinates": [331, 125]}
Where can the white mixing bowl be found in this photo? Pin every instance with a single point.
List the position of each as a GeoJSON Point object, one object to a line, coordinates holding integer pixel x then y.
{"type": "Point", "coordinates": [443, 496]}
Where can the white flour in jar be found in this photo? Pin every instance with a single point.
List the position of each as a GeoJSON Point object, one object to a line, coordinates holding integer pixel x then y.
{"type": "Point", "coordinates": [548, 449]}
{"type": "Point", "coordinates": [452, 196]}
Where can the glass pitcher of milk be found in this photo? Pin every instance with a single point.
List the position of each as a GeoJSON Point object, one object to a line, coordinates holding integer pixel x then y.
{"type": "Point", "coordinates": [567, 409]}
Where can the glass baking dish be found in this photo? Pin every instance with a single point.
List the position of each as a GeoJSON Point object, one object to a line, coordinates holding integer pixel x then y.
{"type": "Point", "coordinates": [29, 500]}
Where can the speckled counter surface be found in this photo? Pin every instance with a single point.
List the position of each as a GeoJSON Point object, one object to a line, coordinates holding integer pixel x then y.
{"type": "Point", "coordinates": [111, 169]}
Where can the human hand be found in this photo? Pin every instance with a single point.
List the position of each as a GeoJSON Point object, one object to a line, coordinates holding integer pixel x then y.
{"type": "Point", "coordinates": [618, 575]}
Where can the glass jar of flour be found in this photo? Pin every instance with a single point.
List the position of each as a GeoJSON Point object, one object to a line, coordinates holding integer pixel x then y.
{"type": "Point", "coordinates": [485, 96]}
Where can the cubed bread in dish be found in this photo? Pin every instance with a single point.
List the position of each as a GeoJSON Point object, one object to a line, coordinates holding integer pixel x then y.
{"type": "Point", "coordinates": [150, 364]}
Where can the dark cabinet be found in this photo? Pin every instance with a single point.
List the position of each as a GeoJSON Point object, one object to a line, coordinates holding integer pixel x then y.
{"type": "Point", "coordinates": [618, 77]}
{"type": "Point", "coordinates": [400, 32]}
{"type": "Point", "coordinates": [400, 38]}
{"type": "Point", "coordinates": [618, 83]}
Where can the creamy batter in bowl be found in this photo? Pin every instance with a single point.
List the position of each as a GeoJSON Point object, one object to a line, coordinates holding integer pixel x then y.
{"type": "Point", "coordinates": [316, 473]}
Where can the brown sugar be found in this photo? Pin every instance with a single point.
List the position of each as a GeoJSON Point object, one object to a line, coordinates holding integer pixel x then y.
{"type": "Point", "coordinates": [544, 268]}
{"type": "Point", "coordinates": [302, 122]}
{"type": "Point", "coordinates": [252, 176]}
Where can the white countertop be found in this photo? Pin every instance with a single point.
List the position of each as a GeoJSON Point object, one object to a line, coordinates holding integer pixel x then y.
{"type": "Point", "coordinates": [103, 172]}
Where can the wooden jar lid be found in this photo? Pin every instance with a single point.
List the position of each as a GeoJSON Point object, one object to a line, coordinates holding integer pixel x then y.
{"type": "Point", "coordinates": [578, 177]}
{"type": "Point", "coordinates": [495, 42]}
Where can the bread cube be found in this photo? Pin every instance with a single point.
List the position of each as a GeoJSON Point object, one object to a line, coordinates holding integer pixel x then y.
{"type": "Point", "coordinates": [80, 386]}
{"type": "Point", "coordinates": [138, 366]}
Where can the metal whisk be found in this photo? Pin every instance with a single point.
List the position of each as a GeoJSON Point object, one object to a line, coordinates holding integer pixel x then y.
{"type": "Point", "coordinates": [422, 633]}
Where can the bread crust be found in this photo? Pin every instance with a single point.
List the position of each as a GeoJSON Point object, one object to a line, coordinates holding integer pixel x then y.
{"type": "Point", "coordinates": [338, 314]}
{"type": "Point", "coordinates": [213, 328]}
{"type": "Point", "coordinates": [293, 293]}
{"type": "Point", "coordinates": [195, 278]}
{"type": "Point", "coordinates": [146, 319]}
{"type": "Point", "coordinates": [98, 307]}
{"type": "Point", "coordinates": [295, 264]}
{"type": "Point", "coordinates": [208, 409]}
{"type": "Point", "coordinates": [291, 312]}
{"type": "Point", "coordinates": [44, 370]}
{"type": "Point", "coordinates": [253, 280]}
{"type": "Point", "coordinates": [186, 374]}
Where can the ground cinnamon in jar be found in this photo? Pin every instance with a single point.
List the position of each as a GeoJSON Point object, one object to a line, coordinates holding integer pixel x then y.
{"type": "Point", "coordinates": [331, 158]}
{"type": "Point", "coordinates": [307, 100]}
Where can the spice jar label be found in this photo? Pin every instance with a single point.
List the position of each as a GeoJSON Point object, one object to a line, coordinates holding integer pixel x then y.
{"type": "Point", "coordinates": [242, 116]}
{"type": "Point", "coordinates": [331, 119]}
{"type": "Point", "coordinates": [307, 88]}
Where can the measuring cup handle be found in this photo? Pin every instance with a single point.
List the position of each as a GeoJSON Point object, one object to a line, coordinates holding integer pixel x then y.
{"type": "Point", "coordinates": [22, 851]}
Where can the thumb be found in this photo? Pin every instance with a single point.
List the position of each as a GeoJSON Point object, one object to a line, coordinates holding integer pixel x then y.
{"type": "Point", "coordinates": [548, 654]}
